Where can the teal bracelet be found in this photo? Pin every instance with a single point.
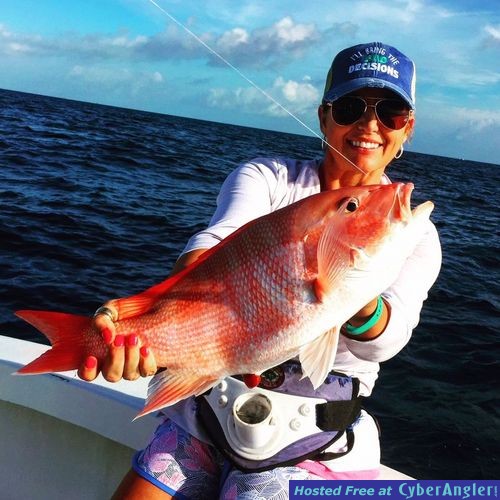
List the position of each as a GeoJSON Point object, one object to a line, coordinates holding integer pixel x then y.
{"type": "Point", "coordinates": [371, 321]}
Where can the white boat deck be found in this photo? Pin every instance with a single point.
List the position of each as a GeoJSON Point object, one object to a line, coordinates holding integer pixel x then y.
{"type": "Point", "coordinates": [64, 438]}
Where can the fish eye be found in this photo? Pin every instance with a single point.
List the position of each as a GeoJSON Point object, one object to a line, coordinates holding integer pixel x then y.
{"type": "Point", "coordinates": [350, 205]}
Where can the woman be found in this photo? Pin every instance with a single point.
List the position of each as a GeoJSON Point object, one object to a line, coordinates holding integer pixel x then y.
{"type": "Point", "coordinates": [366, 116]}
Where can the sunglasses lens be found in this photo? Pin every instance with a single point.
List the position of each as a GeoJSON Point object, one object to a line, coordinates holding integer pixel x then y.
{"type": "Point", "coordinates": [347, 110]}
{"type": "Point", "coordinates": [393, 113]}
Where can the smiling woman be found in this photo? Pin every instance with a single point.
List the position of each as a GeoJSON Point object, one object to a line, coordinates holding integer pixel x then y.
{"type": "Point", "coordinates": [366, 115]}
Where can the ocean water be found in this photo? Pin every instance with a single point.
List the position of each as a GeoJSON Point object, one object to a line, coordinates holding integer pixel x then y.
{"type": "Point", "coordinates": [96, 202]}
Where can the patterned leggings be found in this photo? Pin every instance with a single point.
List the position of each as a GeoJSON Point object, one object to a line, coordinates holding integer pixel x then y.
{"type": "Point", "coordinates": [180, 464]}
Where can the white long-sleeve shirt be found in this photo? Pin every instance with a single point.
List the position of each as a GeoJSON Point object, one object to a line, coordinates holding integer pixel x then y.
{"type": "Point", "coordinates": [264, 185]}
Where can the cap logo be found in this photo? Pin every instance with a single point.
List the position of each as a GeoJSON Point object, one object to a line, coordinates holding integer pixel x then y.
{"type": "Point", "coordinates": [374, 59]}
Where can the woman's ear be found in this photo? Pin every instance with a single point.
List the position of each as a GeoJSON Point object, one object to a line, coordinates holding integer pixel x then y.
{"type": "Point", "coordinates": [410, 128]}
{"type": "Point", "coordinates": [322, 116]}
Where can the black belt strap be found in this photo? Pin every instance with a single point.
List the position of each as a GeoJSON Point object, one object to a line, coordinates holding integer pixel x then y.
{"type": "Point", "coordinates": [337, 415]}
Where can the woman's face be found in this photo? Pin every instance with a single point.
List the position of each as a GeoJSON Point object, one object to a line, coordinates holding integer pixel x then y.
{"type": "Point", "coordinates": [367, 142]}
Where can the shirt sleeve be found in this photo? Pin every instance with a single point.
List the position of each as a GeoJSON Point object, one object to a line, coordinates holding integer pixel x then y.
{"type": "Point", "coordinates": [405, 297]}
{"type": "Point", "coordinates": [246, 194]}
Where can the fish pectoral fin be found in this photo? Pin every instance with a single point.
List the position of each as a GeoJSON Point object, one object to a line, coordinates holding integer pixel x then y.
{"type": "Point", "coordinates": [333, 260]}
{"type": "Point", "coordinates": [167, 388]}
{"type": "Point", "coordinates": [317, 356]}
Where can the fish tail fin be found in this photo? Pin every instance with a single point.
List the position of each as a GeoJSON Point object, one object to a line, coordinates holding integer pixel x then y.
{"type": "Point", "coordinates": [66, 335]}
{"type": "Point", "coordinates": [167, 388]}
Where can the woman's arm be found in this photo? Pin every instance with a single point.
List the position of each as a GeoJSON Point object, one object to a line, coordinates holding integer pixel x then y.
{"type": "Point", "coordinates": [404, 300]}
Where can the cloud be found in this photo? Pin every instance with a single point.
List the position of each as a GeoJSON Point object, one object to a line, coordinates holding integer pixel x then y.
{"type": "Point", "coordinates": [299, 98]}
{"type": "Point", "coordinates": [115, 79]}
{"type": "Point", "coordinates": [286, 32]}
{"type": "Point", "coordinates": [458, 131]}
{"type": "Point", "coordinates": [398, 12]}
{"type": "Point", "coordinates": [270, 46]}
{"type": "Point", "coordinates": [267, 46]}
{"type": "Point", "coordinates": [474, 136]}
{"type": "Point", "coordinates": [233, 38]}
{"type": "Point", "coordinates": [344, 29]}
{"type": "Point", "coordinates": [11, 43]}
{"type": "Point", "coordinates": [492, 38]}
{"type": "Point", "coordinates": [475, 121]}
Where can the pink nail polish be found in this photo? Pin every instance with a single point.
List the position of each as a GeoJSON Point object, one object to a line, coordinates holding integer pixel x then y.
{"type": "Point", "coordinates": [107, 335]}
{"type": "Point", "coordinates": [119, 341]}
{"type": "Point", "coordinates": [144, 350]}
{"type": "Point", "coordinates": [90, 362]}
{"type": "Point", "coordinates": [132, 339]}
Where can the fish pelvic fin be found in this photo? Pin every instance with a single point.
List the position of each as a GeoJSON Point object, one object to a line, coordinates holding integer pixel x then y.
{"type": "Point", "coordinates": [167, 388]}
{"type": "Point", "coordinates": [66, 335]}
{"type": "Point", "coordinates": [317, 356]}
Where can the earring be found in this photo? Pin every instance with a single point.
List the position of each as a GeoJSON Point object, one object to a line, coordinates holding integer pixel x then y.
{"type": "Point", "coordinates": [323, 143]}
{"type": "Point", "coordinates": [399, 154]}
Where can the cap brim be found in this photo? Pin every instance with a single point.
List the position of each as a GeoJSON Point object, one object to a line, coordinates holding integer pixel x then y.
{"type": "Point", "coordinates": [367, 82]}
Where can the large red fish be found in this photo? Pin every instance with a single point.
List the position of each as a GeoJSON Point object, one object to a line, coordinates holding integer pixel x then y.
{"type": "Point", "coordinates": [280, 286]}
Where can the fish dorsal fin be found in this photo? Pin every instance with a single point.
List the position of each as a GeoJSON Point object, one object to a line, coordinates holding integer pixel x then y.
{"type": "Point", "coordinates": [142, 302]}
{"type": "Point", "coordinates": [333, 260]}
{"type": "Point", "coordinates": [317, 356]}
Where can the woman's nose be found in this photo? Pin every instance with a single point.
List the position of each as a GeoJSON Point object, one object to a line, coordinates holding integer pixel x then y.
{"type": "Point", "coordinates": [369, 118]}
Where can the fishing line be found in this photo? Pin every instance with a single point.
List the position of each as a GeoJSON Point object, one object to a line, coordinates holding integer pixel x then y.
{"type": "Point", "coordinates": [251, 82]}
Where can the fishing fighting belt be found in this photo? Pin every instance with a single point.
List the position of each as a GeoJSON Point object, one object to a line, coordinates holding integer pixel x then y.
{"type": "Point", "coordinates": [259, 429]}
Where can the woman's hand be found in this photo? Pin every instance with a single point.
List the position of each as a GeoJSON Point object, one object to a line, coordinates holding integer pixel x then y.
{"type": "Point", "coordinates": [127, 357]}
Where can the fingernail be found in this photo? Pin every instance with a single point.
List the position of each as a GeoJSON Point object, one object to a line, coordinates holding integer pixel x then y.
{"type": "Point", "coordinates": [132, 339]}
{"type": "Point", "coordinates": [119, 341]}
{"type": "Point", "coordinates": [144, 350]}
{"type": "Point", "coordinates": [107, 335]}
{"type": "Point", "coordinates": [90, 362]}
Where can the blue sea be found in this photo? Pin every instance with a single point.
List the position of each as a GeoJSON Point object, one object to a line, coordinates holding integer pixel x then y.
{"type": "Point", "coordinates": [96, 202]}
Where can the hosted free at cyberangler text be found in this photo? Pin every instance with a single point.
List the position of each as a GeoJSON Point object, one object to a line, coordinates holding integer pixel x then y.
{"type": "Point", "coordinates": [459, 489]}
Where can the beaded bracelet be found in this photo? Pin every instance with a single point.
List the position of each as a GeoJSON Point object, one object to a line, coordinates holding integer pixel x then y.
{"type": "Point", "coordinates": [371, 321]}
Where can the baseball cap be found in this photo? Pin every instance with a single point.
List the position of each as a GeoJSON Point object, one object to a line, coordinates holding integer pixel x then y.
{"type": "Point", "coordinates": [374, 65]}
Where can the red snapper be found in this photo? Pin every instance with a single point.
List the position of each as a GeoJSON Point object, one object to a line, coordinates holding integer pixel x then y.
{"type": "Point", "coordinates": [281, 286]}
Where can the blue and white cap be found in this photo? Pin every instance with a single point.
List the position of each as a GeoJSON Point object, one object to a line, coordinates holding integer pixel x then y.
{"type": "Point", "coordinates": [371, 65]}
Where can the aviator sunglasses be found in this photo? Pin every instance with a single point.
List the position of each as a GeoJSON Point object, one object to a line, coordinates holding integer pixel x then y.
{"type": "Point", "coordinates": [392, 113]}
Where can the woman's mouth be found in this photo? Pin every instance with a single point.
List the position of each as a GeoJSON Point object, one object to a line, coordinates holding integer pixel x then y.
{"type": "Point", "coordinates": [365, 144]}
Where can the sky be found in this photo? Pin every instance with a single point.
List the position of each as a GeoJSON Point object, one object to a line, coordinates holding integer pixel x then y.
{"type": "Point", "coordinates": [138, 54]}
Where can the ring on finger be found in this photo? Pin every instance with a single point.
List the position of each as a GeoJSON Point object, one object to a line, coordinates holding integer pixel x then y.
{"type": "Point", "coordinates": [106, 311]}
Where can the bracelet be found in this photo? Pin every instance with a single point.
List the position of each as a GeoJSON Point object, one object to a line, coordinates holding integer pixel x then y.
{"type": "Point", "coordinates": [371, 321]}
